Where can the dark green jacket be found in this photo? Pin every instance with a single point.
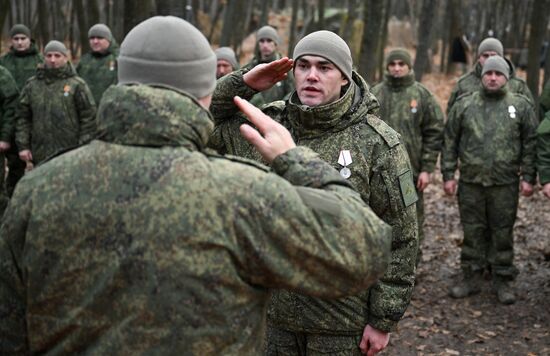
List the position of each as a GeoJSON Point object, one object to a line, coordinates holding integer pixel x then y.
{"type": "Point", "coordinates": [544, 100]}
{"type": "Point", "coordinates": [143, 243]}
{"type": "Point", "coordinates": [543, 150]}
{"type": "Point", "coordinates": [471, 82]}
{"type": "Point", "coordinates": [56, 112]}
{"type": "Point", "coordinates": [22, 65]}
{"type": "Point", "coordinates": [8, 102]}
{"type": "Point", "coordinates": [410, 109]}
{"type": "Point", "coordinates": [380, 171]}
{"type": "Point", "coordinates": [490, 139]}
{"type": "Point", "coordinates": [99, 70]}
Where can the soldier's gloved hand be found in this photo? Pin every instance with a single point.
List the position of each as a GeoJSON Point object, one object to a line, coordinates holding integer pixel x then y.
{"type": "Point", "coordinates": [25, 155]}
{"type": "Point", "coordinates": [450, 187]}
{"type": "Point", "coordinates": [526, 189]}
{"type": "Point", "coordinates": [546, 190]}
{"type": "Point", "coordinates": [4, 146]}
{"type": "Point", "coordinates": [264, 76]}
{"type": "Point", "coordinates": [373, 341]}
{"type": "Point", "coordinates": [272, 140]}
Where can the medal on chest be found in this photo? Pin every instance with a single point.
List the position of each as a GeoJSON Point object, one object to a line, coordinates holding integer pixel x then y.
{"type": "Point", "coordinates": [344, 159]}
{"type": "Point", "coordinates": [414, 106]}
{"type": "Point", "coordinates": [512, 111]}
{"type": "Point", "coordinates": [66, 90]}
{"type": "Point", "coordinates": [111, 65]}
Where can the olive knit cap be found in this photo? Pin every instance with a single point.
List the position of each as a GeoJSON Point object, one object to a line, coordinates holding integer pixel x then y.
{"type": "Point", "coordinates": [498, 64]}
{"type": "Point", "coordinates": [227, 54]}
{"type": "Point", "coordinates": [56, 46]}
{"type": "Point", "coordinates": [399, 54]}
{"type": "Point", "coordinates": [328, 45]}
{"type": "Point", "coordinates": [268, 32]}
{"type": "Point", "coordinates": [100, 30]}
{"type": "Point", "coordinates": [490, 44]}
{"type": "Point", "coordinates": [20, 29]}
{"type": "Point", "coordinates": [167, 50]}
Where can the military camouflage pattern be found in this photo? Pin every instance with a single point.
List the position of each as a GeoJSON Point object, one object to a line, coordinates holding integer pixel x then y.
{"type": "Point", "coordinates": [99, 70]}
{"type": "Point", "coordinates": [22, 65]}
{"type": "Point", "coordinates": [380, 171]}
{"type": "Point", "coordinates": [8, 101]}
{"type": "Point", "coordinates": [471, 82]}
{"type": "Point", "coordinates": [410, 109]}
{"type": "Point", "coordinates": [493, 137]}
{"type": "Point", "coordinates": [488, 215]}
{"type": "Point", "coordinates": [56, 112]}
{"type": "Point", "coordinates": [280, 91]}
{"type": "Point", "coordinates": [543, 150]}
{"type": "Point", "coordinates": [153, 246]}
{"type": "Point", "coordinates": [544, 100]}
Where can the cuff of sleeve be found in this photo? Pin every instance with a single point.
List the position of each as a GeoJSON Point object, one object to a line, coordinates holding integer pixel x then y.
{"type": "Point", "coordinates": [544, 177]}
{"type": "Point", "coordinates": [243, 90]}
{"type": "Point", "coordinates": [303, 167]}
{"type": "Point", "coordinates": [384, 325]}
{"type": "Point", "coordinates": [428, 167]}
{"type": "Point", "coordinates": [448, 176]}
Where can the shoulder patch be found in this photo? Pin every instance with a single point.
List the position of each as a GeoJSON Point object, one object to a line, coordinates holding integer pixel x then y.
{"type": "Point", "coordinates": [408, 190]}
{"type": "Point", "coordinates": [213, 155]}
{"type": "Point", "coordinates": [383, 129]}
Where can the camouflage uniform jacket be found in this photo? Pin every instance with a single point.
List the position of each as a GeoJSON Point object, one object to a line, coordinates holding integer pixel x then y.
{"type": "Point", "coordinates": [8, 101]}
{"type": "Point", "coordinates": [99, 70]}
{"type": "Point", "coordinates": [142, 243]}
{"type": "Point", "coordinates": [280, 91]}
{"type": "Point", "coordinates": [544, 100]}
{"type": "Point", "coordinates": [471, 82]}
{"type": "Point", "coordinates": [492, 135]}
{"type": "Point", "coordinates": [22, 65]}
{"type": "Point", "coordinates": [380, 171]}
{"type": "Point", "coordinates": [543, 149]}
{"type": "Point", "coordinates": [56, 111]}
{"type": "Point", "coordinates": [410, 109]}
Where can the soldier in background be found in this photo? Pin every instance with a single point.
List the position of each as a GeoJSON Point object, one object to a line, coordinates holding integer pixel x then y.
{"type": "Point", "coordinates": [22, 61]}
{"type": "Point", "coordinates": [99, 67]}
{"type": "Point", "coordinates": [56, 110]}
{"type": "Point", "coordinates": [492, 133]}
{"type": "Point", "coordinates": [411, 109]}
{"type": "Point", "coordinates": [543, 154]}
{"type": "Point", "coordinates": [226, 61]}
{"type": "Point", "coordinates": [146, 242]}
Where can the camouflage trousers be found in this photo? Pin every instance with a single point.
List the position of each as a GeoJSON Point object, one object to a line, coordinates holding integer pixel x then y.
{"type": "Point", "coordinates": [3, 194]}
{"type": "Point", "coordinates": [16, 169]}
{"type": "Point", "coordinates": [487, 215]}
{"type": "Point", "coordinates": [282, 342]}
{"type": "Point", "coordinates": [420, 219]}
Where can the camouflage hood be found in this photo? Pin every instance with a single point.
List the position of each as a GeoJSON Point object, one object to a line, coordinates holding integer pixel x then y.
{"type": "Point", "coordinates": [401, 82]}
{"type": "Point", "coordinates": [112, 49]}
{"type": "Point", "coordinates": [53, 74]}
{"type": "Point", "coordinates": [350, 109]}
{"type": "Point", "coordinates": [154, 116]}
{"type": "Point", "coordinates": [31, 51]}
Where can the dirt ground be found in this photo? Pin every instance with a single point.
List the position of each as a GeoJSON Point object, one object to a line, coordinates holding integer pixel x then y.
{"type": "Point", "coordinates": [436, 324]}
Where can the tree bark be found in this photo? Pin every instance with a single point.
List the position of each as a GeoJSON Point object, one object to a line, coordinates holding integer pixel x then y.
{"type": "Point", "coordinates": [539, 21]}
{"type": "Point", "coordinates": [373, 15]}
{"type": "Point", "coordinates": [135, 12]}
{"type": "Point", "coordinates": [424, 38]}
{"type": "Point", "coordinates": [293, 21]}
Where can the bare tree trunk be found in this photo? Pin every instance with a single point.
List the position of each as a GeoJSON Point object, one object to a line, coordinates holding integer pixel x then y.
{"type": "Point", "coordinates": [82, 25]}
{"type": "Point", "coordinates": [539, 21]}
{"type": "Point", "coordinates": [215, 20]}
{"type": "Point", "coordinates": [321, 13]}
{"type": "Point", "coordinates": [373, 15]}
{"type": "Point", "coordinates": [229, 22]}
{"type": "Point", "coordinates": [454, 29]}
{"type": "Point", "coordinates": [424, 38]}
{"type": "Point", "coordinates": [135, 12]}
{"type": "Point", "coordinates": [265, 13]}
{"type": "Point", "coordinates": [43, 22]}
{"type": "Point", "coordinates": [384, 38]}
{"type": "Point", "coordinates": [293, 21]}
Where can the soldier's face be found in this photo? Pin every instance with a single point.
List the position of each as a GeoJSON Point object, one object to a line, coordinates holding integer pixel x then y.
{"type": "Point", "coordinates": [99, 44]}
{"type": "Point", "coordinates": [397, 68]}
{"type": "Point", "coordinates": [55, 60]}
{"type": "Point", "coordinates": [485, 55]}
{"type": "Point", "coordinates": [223, 68]}
{"type": "Point", "coordinates": [267, 47]}
{"type": "Point", "coordinates": [318, 81]}
{"type": "Point", "coordinates": [493, 80]}
{"type": "Point", "coordinates": [20, 42]}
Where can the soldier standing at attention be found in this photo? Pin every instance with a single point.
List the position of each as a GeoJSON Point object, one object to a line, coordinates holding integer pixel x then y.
{"type": "Point", "coordinates": [267, 41]}
{"type": "Point", "coordinates": [146, 242]}
{"type": "Point", "coordinates": [56, 110]}
{"type": "Point", "coordinates": [226, 61]}
{"type": "Point", "coordinates": [492, 133]}
{"type": "Point", "coordinates": [99, 67]}
{"type": "Point", "coordinates": [411, 109]}
{"type": "Point", "coordinates": [332, 112]}
{"type": "Point", "coordinates": [22, 61]}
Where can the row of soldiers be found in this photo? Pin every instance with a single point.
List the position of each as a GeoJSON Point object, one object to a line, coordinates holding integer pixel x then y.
{"type": "Point", "coordinates": [149, 185]}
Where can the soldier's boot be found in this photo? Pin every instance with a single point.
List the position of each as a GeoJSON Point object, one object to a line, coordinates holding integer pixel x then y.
{"type": "Point", "coordinates": [504, 291]}
{"type": "Point", "coordinates": [470, 285]}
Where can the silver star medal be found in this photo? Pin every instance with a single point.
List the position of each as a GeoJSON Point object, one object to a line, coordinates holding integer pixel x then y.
{"type": "Point", "coordinates": [344, 159]}
{"type": "Point", "coordinates": [512, 111]}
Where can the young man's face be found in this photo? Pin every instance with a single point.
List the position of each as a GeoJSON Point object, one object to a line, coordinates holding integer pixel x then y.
{"type": "Point", "coordinates": [485, 55]}
{"type": "Point", "coordinates": [493, 80]}
{"type": "Point", "coordinates": [223, 67]}
{"type": "Point", "coordinates": [397, 68]}
{"type": "Point", "coordinates": [55, 60]}
{"type": "Point", "coordinates": [267, 47]}
{"type": "Point", "coordinates": [99, 44]}
{"type": "Point", "coordinates": [20, 42]}
{"type": "Point", "coordinates": [318, 81]}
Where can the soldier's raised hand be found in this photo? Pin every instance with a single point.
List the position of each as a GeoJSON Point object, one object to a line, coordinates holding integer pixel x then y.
{"type": "Point", "coordinates": [264, 76]}
{"type": "Point", "coordinates": [271, 139]}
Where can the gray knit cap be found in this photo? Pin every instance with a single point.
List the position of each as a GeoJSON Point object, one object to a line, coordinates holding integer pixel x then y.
{"type": "Point", "coordinates": [498, 64]}
{"type": "Point", "coordinates": [100, 30]}
{"type": "Point", "coordinates": [490, 44]}
{"type": "Point", "coordinates": [20, 29]}
{"type": "Point", "coordinates": [227, 54]}
{"type": "Point", "coordinates": [328, 45]}
{"type": "Point", "coordinates": [56, 46]}
{"type": "Point", "coordinates": [268, 32]}
{"type": "Point", "coordinates": [167, 50]}
{"type": "Point", "coordinates": [399, 54]}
